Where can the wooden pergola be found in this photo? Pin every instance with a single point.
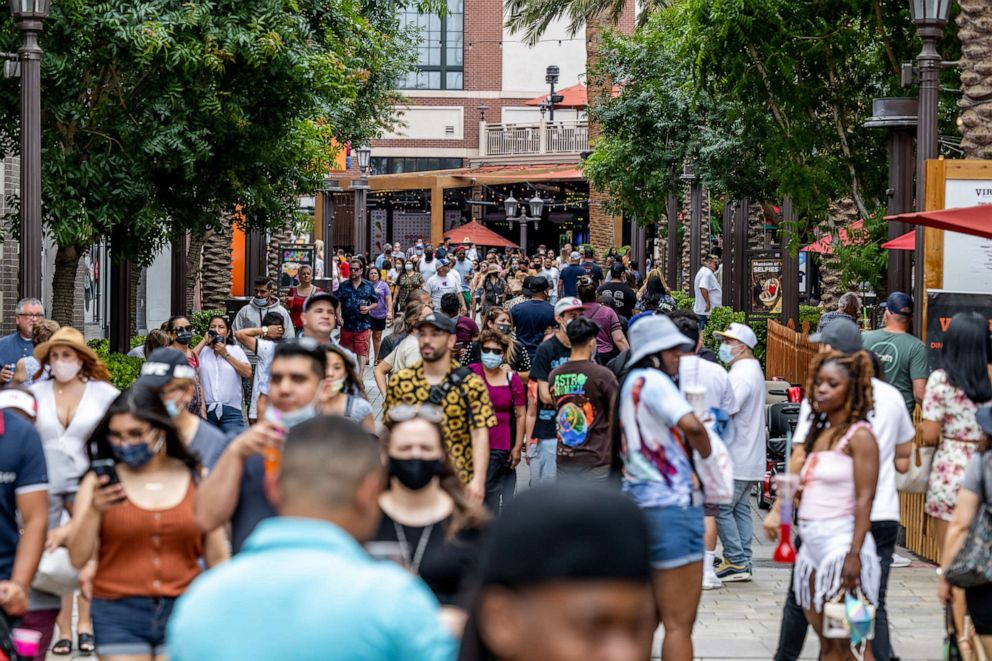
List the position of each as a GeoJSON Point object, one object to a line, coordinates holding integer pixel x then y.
{"type": "Point", "coordinates": [437, 181]}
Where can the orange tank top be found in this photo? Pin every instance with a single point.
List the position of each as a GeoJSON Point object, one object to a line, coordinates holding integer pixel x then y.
{"type": "Point", "coordinates": [146, 553]}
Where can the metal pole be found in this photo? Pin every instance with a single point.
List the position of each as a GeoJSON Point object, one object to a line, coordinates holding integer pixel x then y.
{"type": "Point", "coordinates": [790, 267]}
{"type": "Point", "coordinates": [551, 103]}
{"type": "Point", "coordinates": [740, 282]}
{"type": "Point", "coordinates": [728, 246]}
{"type": "Point", "coordinates": [31, 228]}
{"type": "Point", "coordinates": [900, 276]}
{"type": "Point", "coordinates": [695, 226]}
{"type": "Point", "coordinates": [928, 64]}
{"type": "Point", "coordinates": [523, 236]}
{"type": "Point", "coordinates": [179, 275]}
{"type": "Point", "coordinates": [672, 246]}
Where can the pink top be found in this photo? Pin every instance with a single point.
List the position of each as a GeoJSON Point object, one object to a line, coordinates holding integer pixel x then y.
{"type": "Point", "coordinates": [827, 482]}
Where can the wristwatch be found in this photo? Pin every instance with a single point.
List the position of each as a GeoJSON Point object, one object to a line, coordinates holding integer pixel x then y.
{"type": "Point", "coordinates": [265, 330]}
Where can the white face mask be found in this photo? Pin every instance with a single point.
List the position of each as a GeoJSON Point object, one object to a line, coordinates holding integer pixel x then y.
{"type": "Point", "coordinates": [66, 370]}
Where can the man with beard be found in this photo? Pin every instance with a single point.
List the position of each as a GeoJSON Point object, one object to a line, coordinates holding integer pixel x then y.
{"type": "Point", "coordinates": [458, 392]}
{"type": "Point", "coordinates": [357, 297]}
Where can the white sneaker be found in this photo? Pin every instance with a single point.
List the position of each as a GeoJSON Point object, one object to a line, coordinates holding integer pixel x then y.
{"type": "Point", "coordinates": [900, 561]}
{"type": "Point", "coordinates": [711, 581]}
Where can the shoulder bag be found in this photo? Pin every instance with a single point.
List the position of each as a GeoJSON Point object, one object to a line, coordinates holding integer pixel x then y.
{"type": "Point", "coordinates": [915, 479]}
{"type": "Point", "coordinates": [972, 566]}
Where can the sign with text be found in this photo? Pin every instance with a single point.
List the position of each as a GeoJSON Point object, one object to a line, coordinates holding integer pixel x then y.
{"type": "Point", "coordinates": [291, 258]}
{"type": "Point", "coordinates": [766, 286]}
{"type": "Point", "coordinates": [942, 305]}
{"type": "Point", "coordinates": [967, 259]}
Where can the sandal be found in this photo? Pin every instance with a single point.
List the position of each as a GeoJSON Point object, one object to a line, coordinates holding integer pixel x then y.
{"type": "Point", "coordinates": [62, 647]}
{"type": "Point", "coordinates": [86, 643]}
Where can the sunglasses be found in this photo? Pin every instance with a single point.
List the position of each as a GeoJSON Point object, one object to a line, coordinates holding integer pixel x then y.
{"type": "Point", "coordinates": [182, 329]}
{"type": "Point", "coordinates": [498, 352]}
{"type": "Point", "coordinates": [407, 412]}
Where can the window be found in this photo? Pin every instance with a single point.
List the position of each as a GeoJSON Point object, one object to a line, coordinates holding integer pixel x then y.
{"type": "Point", "coordinates": [440, 55]}
{"type": "Point", "coordinates": [399, 164]}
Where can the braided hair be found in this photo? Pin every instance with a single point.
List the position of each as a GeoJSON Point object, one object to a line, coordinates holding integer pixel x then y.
{"type": "Point", "coordinates": [858, 404]}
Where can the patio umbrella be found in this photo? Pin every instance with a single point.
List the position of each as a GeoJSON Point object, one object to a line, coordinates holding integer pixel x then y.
{"type": "Point", "coordinates": [824, 246]}
{"type": "Point", "coordinates": [905, 242]}
{"type": "Point", "coordinates": [575, 97]}
{"type": "Point", "coordinates": [480, 235]}
{"type": "Point", "coordinates": [976, 221]}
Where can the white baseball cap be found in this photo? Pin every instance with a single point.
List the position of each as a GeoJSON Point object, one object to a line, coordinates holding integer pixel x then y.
{"type": "Point", "coordinates": [567, 303]}
{"type": "Point", "coordinates": [740, 332]}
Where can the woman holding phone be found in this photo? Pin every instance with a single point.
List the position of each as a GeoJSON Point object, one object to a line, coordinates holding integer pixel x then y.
{"type": "Point", "coordinates": [222, 366]}
{"type": "Point", "coordinates": [136, 518]}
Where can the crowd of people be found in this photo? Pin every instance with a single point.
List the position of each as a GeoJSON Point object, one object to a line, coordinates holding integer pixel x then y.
{"type": "Point", "coordinates": [245, 497]}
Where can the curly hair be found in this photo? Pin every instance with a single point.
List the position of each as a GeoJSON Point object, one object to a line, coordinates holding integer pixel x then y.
{"type": "Point", "coordinates": [858, 403]}
{"type": "Point", "coordinates": [504, 341]}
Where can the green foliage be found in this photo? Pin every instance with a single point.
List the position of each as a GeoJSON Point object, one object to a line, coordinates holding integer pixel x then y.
{"type": "Point", "coordinates": [124, 370]}
{"type": "Point", "coordinates": [864, 259]}
{"type": "Point", "coordinates": [810, 313]}
{"type": "Point", "coordinates": [158, 117]}
{"type": "Point", "coordinates": [103, 346]}
{"type": "Point", "coordinates": [201, 320]}
{"type": "Point", "coordinates": [683, 301]}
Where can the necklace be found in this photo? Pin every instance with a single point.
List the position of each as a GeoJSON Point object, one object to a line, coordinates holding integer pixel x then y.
{"type": "Point", "coordinates": [418, 555]}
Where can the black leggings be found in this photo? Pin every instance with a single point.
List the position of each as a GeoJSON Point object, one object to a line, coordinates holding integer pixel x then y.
{"type": "Point", "coordinates": [979, 602]}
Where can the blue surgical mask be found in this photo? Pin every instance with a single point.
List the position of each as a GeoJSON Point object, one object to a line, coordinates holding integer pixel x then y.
{"type": "Point", "coordinates": [726, 354]}
{"type": "Point", "coordinates": [171, 408]}
{"type": "Point", "coordinates": [492, 360]}
{"type": "Point", "coordinates": [137, 455]}
{"type": "Point", "coordinates": [302, 414]}
{"type": "Point", "coordinates": [260, 302]}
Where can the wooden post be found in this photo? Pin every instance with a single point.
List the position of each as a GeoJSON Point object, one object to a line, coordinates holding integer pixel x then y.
{"type": "Point", "coordinates": [740, 279]}
{"type": "Point", "coordinates": [790, 266]}
{"type": "Point", "coordinates": [672, 256]}
{"type": "Point", "coordinates": [437, 214]}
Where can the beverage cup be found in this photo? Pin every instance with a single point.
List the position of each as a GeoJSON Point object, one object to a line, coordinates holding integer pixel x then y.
{"type": "Point", "coordinates": [795, 394]}
{"type": "Point", "coordinates": [696, 396]}
{"type": "Point", "coordinates": [26, 642]}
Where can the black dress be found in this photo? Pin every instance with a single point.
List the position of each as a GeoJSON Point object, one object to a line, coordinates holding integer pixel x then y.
{"type": "Point", "coordinates": [446, 566]}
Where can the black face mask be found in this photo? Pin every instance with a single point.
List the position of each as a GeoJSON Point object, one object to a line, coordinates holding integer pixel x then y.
{"type": "Point", "coordinates": [184, 337]}
{"type": "Point", "coordinates": [415, 474]}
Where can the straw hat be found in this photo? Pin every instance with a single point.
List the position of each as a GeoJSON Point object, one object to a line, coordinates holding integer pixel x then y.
{"type": "Point", "coordinates": [69, 337]}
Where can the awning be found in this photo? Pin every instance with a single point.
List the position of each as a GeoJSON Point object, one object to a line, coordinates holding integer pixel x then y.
{"type": "Point", "coordinates": [575, 97]}
{"type": "Point", "coordinates": [477, 233]}
{"type": "Point", "coordinates": [823, 245]}
{"type": "Point", "coordinates": [905, 242]}
{"type": "Point", "coordinates": [976, 221]}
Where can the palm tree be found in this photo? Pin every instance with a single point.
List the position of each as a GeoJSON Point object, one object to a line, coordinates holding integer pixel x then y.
{"type": "Point", "coordinates": [975, 33]}
{"type": "Point", "coordinates": [531, 18]}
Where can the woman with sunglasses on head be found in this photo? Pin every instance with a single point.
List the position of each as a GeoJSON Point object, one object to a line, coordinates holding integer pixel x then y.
{"type": "Point", "coordinates": [222, 366]}
{"type": "Point", "coordinates": [297, 297]}
{"type": "Point", "coordinates": [499, 320]}
{"type": "Point", "coordinates": [139, 527]}
{"type": "Point", "coordinates": [506, 439]}
{"type": "Point", "coordinates": [425, 508]}
{"type": "Point", "coordinates": [382, 313]}
{"type": "Point", "coordinates": [343, 394]}
{"type": "Point", "coordinates": [180, 331]}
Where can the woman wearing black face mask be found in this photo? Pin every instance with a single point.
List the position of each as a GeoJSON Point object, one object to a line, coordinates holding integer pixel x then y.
{"type": "Point", "coordinates": [141, 530]}
{"type": "Point", "coordinates": [498, 319]}
{"type": "Point", "coordinates": [180, 331]}
{"type": "Point", "coordinates": [426, 510]}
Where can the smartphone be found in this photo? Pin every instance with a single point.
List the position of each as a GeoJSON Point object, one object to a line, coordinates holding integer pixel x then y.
{"type": "Point", "coordinates": [106, 467]}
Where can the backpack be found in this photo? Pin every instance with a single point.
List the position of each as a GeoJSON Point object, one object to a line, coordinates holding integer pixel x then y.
{"type": "Point", "coordinates": [439, 393]}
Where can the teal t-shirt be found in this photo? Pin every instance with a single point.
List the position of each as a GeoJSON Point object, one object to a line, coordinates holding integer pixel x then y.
{"type": "Point", "coordinates": [903, 358]}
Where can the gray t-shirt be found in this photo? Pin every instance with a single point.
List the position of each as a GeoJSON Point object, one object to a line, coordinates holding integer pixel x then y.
{"type": "Point", "coordinates": [209, 443]}
{"type": "Point", "coordinates": [980, 462]}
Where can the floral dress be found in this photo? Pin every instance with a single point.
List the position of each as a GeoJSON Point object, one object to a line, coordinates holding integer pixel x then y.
{"type": "Point", "coordinates": [959, 438]}
{"type": "Point", "coordinates": [407, 282]}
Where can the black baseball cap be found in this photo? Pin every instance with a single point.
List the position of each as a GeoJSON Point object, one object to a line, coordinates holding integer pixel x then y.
{"type": "Point", "coordinates": [899, 303]}
{"type": "Point", "coordinates": [841, 334]}
{"type": "Point", "coordinates": [164, 365]}
{"type": "Point", "coordinates": [321, 296]}
{"type": "Point", "coordinates": [617, 268]}
{"type": "Point", "coordinates": [442, 322]}
{"type": "Point", "coordinates": [589, 251]}
{"type": "Point", "coordinates": [538, 284]}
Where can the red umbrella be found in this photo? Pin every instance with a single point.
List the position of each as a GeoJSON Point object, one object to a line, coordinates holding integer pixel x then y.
{"type": "Point", "coordinates": [575, 97]}
{"type": "Point", "coordinates": [475, 232]}
{"type": "Point", "coordinates": [823, 244]}
{"type": "Point", "coordinates": [905, 242]}
{"type": "Point", "coordinates": [976, 221]}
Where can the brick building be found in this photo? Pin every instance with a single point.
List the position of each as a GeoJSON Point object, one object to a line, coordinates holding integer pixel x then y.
{"type": "Point", "coordinates": [473, 130]}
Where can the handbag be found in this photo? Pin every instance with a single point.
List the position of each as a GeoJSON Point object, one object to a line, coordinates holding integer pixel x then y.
{"type": "Point", "coordinates": [715, 472]}
{"type": "Point", "coordinates": [55, 574]}
{"type": "Point", "coordinates": [972, 566]}
{"type": "Point", "coordinates": [915, 479]}
{"type": "Point", "coordinates": [849, 616]}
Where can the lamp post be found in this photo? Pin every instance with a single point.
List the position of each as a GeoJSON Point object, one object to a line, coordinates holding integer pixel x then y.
{"type": "Point", "coordinates": [29, 15]}
{"type": "Point", "coordinates": [535, 206]}
{"type": "Point", "coordinates": [361, 188]}
{"type": "Point", "coordinates": [930, 17]}
{"type": "Point", "coordinates": [551, 78]}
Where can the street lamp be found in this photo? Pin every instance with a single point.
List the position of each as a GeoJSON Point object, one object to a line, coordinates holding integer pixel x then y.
{"type": "Point", "coordinates": [930, 17]}
{"type": "Point", "coordinates": [551, 78]}
{"type": "Point", "coordinates": [29, 16]}
{"type": "Point", "coordinates": [361, 188]}
{"type": "Point", "coordinates": [536, 205]}
{"type": "Point", "coordinates": [511, 205]}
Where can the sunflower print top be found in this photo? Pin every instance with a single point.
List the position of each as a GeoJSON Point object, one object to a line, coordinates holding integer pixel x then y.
{"type": "Point", "coordinates": [463, 411]}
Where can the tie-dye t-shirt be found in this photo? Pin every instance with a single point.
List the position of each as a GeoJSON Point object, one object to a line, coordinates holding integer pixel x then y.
{"type": "Point", "coordinates": [657, 470]}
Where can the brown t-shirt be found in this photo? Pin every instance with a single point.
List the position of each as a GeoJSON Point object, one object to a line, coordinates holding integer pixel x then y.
{"type": "Point", "coordinates": [583, 392]}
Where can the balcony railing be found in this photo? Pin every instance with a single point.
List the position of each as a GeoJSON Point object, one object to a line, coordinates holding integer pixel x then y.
{"type": "Point", "coordinates": [565, 137]}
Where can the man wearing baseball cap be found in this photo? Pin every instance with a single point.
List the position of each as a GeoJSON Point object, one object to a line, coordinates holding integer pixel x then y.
{"type": "Point", "coordinates": [734, 523]}
{"type": "Point", "coordinates": [903, 357]}
{"type": "Point", "coordinates": [445, 280]}
{"type": "Point", "coordinates": [542, 446]}
{"type": "Point", "coordinates": [532, 318]}
{"type": "Point", "coordinates": [624, 297]}
{"type": "Point", "coordinates": [460, 394]}
{"type": "Point", "coordinates": [568, 285]}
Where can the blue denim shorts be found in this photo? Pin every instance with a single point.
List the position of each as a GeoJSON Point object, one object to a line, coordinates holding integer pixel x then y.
{"type": "Point", "coordinates": [676, 535]}
{"type": "Point", "coordinates": [131, 625]}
